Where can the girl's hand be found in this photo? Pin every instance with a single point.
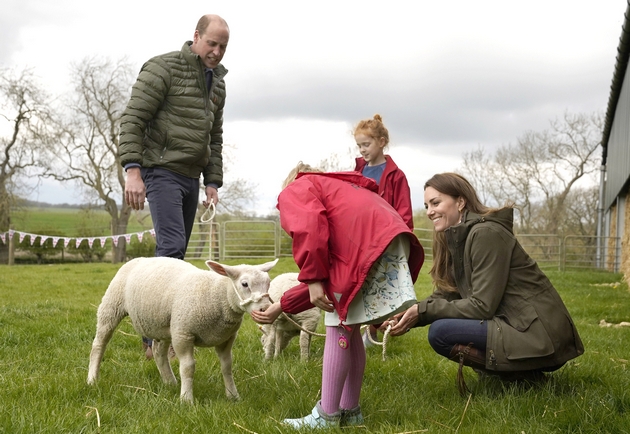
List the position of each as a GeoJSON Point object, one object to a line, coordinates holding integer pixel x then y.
{"type": "Point", "coordinates": [268, 316]}
{"type": "Point", "coordinates": [318, 297]}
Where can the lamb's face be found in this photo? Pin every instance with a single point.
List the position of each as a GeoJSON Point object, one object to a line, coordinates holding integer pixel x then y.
{"type": "Point", "coordinates": [253, 290]}
{"type": "Point", "coordinates": [251, 283]}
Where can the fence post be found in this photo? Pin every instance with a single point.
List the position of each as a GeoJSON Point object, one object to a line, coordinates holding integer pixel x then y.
{"type": "Point", "coordinates": [563, 258]}
{"type": "Point", "coordinates": [11, 259]}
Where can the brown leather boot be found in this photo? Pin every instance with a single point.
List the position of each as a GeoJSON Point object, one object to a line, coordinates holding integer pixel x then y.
{"type": "Point", "coordinates": [466, 355]}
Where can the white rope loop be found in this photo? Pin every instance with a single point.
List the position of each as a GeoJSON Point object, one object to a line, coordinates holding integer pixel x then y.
{"type": "Point", "coordinates": [210, 209]}
{"type": "Point", "coordinates": [385, 339]}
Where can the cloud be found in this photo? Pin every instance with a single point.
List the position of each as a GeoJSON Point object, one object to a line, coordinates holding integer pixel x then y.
{"type": "Point", "coordinates": [446, 76]}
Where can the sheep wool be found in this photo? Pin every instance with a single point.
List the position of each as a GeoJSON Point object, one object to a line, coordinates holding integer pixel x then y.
{"type": "Point", "coordinates": [276, 336]}
{"type": "Point", "coordinates": [172, 301]}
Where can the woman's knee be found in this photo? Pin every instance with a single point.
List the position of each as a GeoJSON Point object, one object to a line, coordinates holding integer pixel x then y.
{"type": "Point", "coordinates": [436, 334]}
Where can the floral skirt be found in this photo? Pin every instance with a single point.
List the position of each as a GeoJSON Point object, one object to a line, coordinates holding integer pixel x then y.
{"type": "Point", "coordinates": [387, 290]}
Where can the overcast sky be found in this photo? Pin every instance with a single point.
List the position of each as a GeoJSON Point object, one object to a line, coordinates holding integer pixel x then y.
{"type": "Point", "coordinates": [446, 76]}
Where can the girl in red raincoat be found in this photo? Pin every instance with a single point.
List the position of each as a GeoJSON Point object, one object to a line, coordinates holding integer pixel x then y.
{"type": "Point", "coordinates": [358, 261]}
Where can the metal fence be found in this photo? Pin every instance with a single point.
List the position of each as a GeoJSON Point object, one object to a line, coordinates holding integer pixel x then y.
{"type": "Point", "coordinates": [238, 239]}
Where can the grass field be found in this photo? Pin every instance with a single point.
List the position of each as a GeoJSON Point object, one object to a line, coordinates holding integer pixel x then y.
{"type": "Point", "coordinates": [47, 323]}
{"type": "Point", "coordinates": [67, 221]}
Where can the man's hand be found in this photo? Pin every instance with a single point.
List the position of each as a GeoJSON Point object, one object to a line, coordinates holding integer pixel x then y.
{"type": "Point", "coordinates": [211, 195]}
{"type": "Point", "coordinates": [135, 191]}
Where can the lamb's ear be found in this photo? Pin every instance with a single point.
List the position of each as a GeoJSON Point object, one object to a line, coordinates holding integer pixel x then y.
{"type": "Point", "coordinates": [268, 265]}
{"type": "Point", "coordinates": [217, 268]}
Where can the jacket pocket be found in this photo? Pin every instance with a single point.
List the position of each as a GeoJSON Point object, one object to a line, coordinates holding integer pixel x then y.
{"type": "Point", "coordinates": [530, 342]}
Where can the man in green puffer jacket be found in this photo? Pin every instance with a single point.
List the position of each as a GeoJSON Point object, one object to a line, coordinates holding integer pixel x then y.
{"type": "Point", "coordinates": [172, 131]}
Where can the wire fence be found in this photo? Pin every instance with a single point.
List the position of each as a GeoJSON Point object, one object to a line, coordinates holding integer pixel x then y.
{"type": "Point", "coordinates": [266, 239]}
{"type": "Point", "coordinates": [240, 239]}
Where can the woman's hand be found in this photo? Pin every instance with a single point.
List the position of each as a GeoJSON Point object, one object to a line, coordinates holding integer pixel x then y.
{"type": "Point", "coordinates": [318, 297]}
{"type": "Point", "coordinates": [402, 322]}
{"type": "Point", "coordinates": [268, 316]}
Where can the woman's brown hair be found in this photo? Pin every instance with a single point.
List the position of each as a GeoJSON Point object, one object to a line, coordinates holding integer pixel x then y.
{"type": "Point", "coordinates": [456, 186]}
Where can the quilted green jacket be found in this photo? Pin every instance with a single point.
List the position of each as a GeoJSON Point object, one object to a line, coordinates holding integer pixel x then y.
{"type": "Point", "coordinates": [171, 120]}
{"type": "Point", "coordinates": [529, 326]}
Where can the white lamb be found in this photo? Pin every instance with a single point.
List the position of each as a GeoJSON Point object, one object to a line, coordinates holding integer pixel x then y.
{"type": "Point", "coordinates": [277, 336]}
{"type": "Point", "coordinates": [172, 301]}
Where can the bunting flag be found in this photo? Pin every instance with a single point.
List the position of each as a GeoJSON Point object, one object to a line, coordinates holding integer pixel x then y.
{"type": "Point", "coordinates": [8, 236]}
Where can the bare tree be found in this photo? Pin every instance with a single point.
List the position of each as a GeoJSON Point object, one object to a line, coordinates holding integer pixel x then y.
{"type": "Point", "coordinates": [85, 142]}
{"type": "Point", "coordinates": [25, 108]}
{"type": "Point", "coordinates": [237, 193]}
{"type": "Point", "coordinates": [541, 170]}
{"type": "Point", "coordinates": [337, 162]}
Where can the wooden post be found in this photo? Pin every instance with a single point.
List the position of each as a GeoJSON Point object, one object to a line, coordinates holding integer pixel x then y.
{"type": "Point", "coordinates": [12, 250]}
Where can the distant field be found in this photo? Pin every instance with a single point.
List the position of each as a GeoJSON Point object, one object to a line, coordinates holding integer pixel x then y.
{"type": "Point", "coordinates": [67, 221]}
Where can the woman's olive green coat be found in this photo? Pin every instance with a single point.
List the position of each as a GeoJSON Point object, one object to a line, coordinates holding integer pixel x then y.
{"type": "Point", "coordinates": [529, 326]}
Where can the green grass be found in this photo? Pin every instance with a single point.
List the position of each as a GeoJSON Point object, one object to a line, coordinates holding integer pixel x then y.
{"type": "Point", "coordinates": [47, 323]}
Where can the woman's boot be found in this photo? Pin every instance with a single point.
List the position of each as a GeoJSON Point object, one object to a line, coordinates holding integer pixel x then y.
{"type": "Point", "coordinates": [466, 355]}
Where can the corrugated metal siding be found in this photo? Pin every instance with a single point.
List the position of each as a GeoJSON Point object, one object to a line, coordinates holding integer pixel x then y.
{"type": "Point", "coordinates": [618, 158]}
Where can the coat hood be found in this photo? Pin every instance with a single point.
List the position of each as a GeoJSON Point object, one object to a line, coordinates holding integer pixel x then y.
{"type": "Point", "coordinates": [355, 178]}
{"type": "Point", "coordinates": [504, 217]}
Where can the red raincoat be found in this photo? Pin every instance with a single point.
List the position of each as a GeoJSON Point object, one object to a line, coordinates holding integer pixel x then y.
{"type": "Point", "coordinates": [394, 188]}
{"type": "Point", "coordinates": [339, 227]}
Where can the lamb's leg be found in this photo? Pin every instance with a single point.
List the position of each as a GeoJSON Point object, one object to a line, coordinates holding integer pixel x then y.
{"type": "Point", "coordinates": [305, 345]}
{"type": "Point", "coordinates": [279, 344]}
{"type": "Point", "coordinates": [224, 351]}
{"type": "Point", "coordinates": [160, 355]}
{"type": "Point", "coordinates": [109, 315]}
{"type": "Point", "coordinates": [270, 342]}
{"type": "Point", "coordinates": [185, 354]}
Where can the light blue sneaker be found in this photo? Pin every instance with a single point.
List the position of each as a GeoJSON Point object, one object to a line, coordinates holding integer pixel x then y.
{"type": "Point", "coordinates": [351, 417]}
{"type": "Point", "coordinates": [317, 419]}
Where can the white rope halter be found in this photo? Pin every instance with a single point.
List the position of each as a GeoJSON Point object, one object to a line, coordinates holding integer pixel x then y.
{"type": "Point", "coordinates": [254, 298]}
